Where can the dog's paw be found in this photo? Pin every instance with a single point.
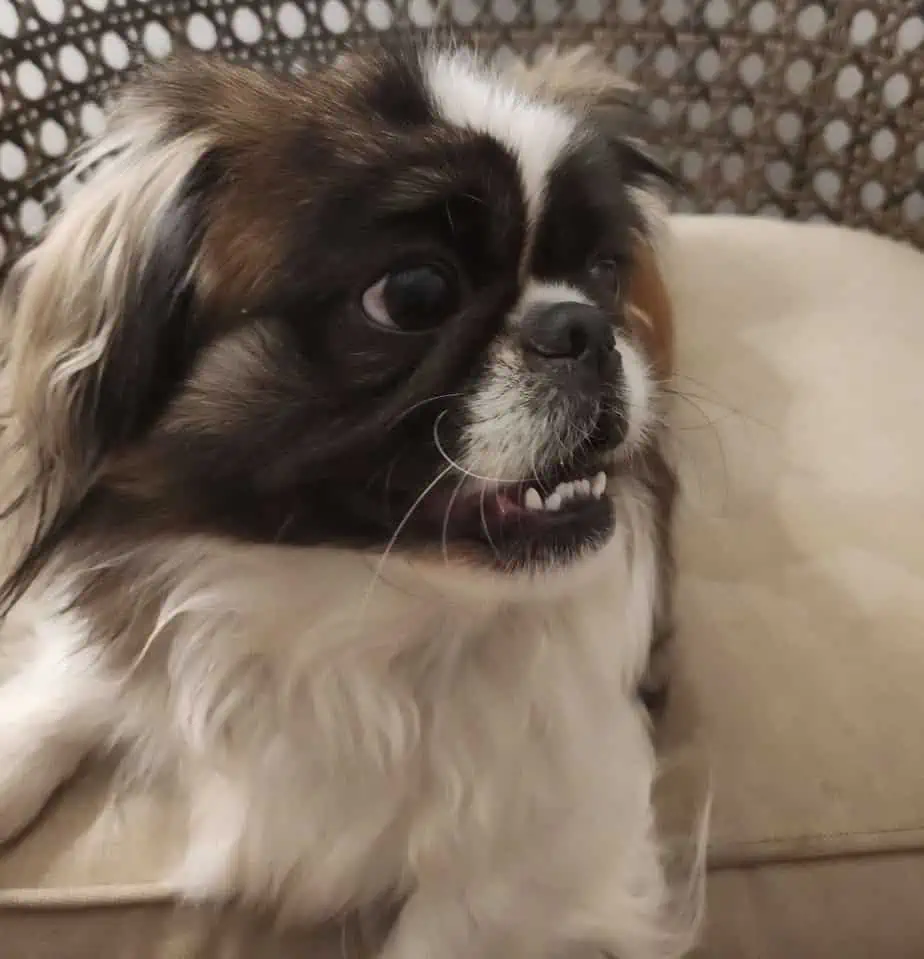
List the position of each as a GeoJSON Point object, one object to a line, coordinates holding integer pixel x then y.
{"type": "Point", "coordinates": [20, 804]}
{"type": "Point", "coordinates": [29, 774]}
{"type": "Point", "coordinates": [18, 809]}
{"type": "Point", "coordinates": [55, 702]}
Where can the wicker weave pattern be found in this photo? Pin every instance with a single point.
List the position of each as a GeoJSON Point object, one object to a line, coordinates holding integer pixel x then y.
{"type": "Point", "coordinates": [776, 107]}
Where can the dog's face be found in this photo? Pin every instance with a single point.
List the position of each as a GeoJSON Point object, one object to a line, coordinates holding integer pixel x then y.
{"type": "Point", "coordinates": [386, 305]}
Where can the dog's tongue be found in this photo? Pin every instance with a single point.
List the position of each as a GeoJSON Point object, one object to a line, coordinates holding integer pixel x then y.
{"type": "Point", "coordinates": [474, 503]}
{"type": "Point", "coordinates": [503, 502]}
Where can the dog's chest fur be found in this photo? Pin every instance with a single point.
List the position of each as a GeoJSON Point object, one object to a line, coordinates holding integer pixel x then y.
{"type": "Point", "coordinates": [339, 735]}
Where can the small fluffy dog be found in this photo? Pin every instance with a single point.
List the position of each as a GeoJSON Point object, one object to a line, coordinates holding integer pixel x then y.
{"type": "Point", "coordinates": [335, 493]}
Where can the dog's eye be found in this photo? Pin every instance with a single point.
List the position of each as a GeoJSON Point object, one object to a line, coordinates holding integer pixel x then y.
{"type": "Point", "coordinates": [412, 300]}
{"type": "Point", "coordinates": [606, 273]}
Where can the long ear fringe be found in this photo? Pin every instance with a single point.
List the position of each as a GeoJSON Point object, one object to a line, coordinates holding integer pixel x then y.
{"type": "Point", "coordinates": [60, 312]}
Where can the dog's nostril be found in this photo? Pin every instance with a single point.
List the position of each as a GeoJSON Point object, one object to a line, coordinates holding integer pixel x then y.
{"type": "Point", "coordinates": [568, 331]}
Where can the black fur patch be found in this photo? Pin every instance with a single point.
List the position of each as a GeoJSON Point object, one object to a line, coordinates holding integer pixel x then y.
{"type": "Point", "coordinates": [156, 339]}
{"type": "Point", "coordinates": [586, 214]}
{"type": "Point", "coordinates": [396, 91]}
{"type": "Point", "coordinates": [624, 123]}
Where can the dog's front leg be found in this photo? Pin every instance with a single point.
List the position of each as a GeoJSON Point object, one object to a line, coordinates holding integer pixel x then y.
{"type": "Point", "coordinates": [53, 701]}
{"type": "Point", "coordinates": [583, 894]}
{"type": "Point", "coordinates": [497, 921]}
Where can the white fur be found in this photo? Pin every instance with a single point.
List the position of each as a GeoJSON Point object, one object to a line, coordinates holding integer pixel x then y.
{"type": "Point", "coordinates": [536, 133]}
{"type": "Point", "coordinates": [638, 388]}
{"type": "Point", "coordinates": [479, 753]}
{"type": "Point", "coordinates": [52, 703]}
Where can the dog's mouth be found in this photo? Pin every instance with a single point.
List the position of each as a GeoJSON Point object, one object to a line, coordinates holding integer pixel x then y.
{"type": "Point", "coordinates": [549, 519]}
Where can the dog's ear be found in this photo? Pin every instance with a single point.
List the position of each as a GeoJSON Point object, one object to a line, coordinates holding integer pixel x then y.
{"type": "Point", "coordinates": [97, 316]}
{"type": "Point", "coordinates": [96, 327]}
{"type": "Point", "coordinates": [585, 83]}
{"type": "Point", "coordinates": [157, 335]}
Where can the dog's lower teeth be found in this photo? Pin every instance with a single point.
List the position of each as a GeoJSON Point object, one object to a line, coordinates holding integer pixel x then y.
{"type": "Point", "coordinates": [532, 499]}
{"type": "Point", "coordinates": [598, 488]}
{"type": "Point", "coordinates": [565, 492]}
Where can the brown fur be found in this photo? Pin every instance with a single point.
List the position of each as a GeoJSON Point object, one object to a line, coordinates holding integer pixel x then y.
{"type": "Point", "coordinates": [650, 311]}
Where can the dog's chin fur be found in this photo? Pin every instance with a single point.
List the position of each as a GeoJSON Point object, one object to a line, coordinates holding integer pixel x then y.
{"type": "Point", "coordinates": [351, 724]}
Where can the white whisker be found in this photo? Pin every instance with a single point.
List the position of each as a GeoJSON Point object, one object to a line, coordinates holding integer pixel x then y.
{"type": "Point", "coordinates": [446, 515]}
{"type": "Point", "coordinates": [484, 524]}
{"type": "Point", "coordinates": [416, 406]}
{"type": "Point", "coordinates": [454, 464]}
{"type": "Point", "coordinates": [377, 572]}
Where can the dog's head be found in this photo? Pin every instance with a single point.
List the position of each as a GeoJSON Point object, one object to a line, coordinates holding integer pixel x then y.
{"type": "Point", "coordinates": [401, 302]}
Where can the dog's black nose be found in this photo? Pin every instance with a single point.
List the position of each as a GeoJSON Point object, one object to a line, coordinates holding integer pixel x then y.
{"type": "Point", "coordinates": [568, 331]}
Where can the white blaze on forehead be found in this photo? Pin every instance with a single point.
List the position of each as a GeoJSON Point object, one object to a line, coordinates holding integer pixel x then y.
{"type": "Point", "coordinates": [469, 95]}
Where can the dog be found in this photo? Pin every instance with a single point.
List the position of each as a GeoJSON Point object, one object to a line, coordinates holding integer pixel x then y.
{"type": "Point", "coordinates": [335, 493]}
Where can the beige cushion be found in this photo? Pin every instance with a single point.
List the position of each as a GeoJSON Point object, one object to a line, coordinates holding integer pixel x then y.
{"type": "Point", "coordinates": [801, 612]}
{"type": "Point", "coordinates": [801, 594]}
{"type": "Point", "coordinates": [801, 542]}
